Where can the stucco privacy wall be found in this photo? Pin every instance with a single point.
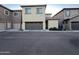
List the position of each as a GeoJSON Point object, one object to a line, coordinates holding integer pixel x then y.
{"type": "Point", "coordinates": [52, 23]}
{"type": "Point", "coordinates": [33, 17]}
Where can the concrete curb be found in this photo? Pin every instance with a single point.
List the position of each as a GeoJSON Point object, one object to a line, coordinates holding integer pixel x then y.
{"type": "Point", "coordinates": [34, 31]}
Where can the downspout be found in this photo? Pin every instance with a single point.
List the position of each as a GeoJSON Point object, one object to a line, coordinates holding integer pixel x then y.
{"type": "Point", "coordinates": [21, 22]}
{"type": "Point", "coordinates": [6, 23]}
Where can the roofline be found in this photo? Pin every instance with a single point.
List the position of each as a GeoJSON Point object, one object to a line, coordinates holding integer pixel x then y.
{"type": "Point", "coordinates": [9, 9]}
{"type": "Point", "coordinates": [74, 17]}
{"type": "Point", "coordinates": [17, 10]}
{"type": "Point", "coordinates": [58, 13]}
{"type": "Point", "coordinates": [71, 18]}
{"type": "Point", "coordinates": [48, 13]}
{"type": "Point", "coordinates": [32, 5]}
{"type": "Point", "coordinates": [71, 8]}
{"type": "Point", "coordinates": [52, 19]}
{"type": "Point", "coordinates": [65, 9]}
{"type": "Point", "coordinates": [5, 7]}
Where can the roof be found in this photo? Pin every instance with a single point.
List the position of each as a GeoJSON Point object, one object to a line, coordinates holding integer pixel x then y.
{"type": "Point", "coordinates": [50, 18]}
{"type": "Point", "coordinates": [48, 14]}
{"type": "Point", "coordinates": [74, 17]}
{"type": "Point", "coordinates": [32, 5]}
{"type": "Point", "coordinates": [47, 18]}
{"type": "Point", "coordinates": [70, 8]}
{"type": "Point", "coordinates": [66, 9]}
{"type": "Point", "coordinates": [71, 18]}
{"type": "Point", "coordinates": [10, 9]}
{"type": "Point", "coordinates": [17, 10]}
{"type": "Point", "coordinates": [5, 7]}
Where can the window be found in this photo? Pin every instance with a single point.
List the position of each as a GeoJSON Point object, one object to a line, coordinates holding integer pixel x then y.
{"type": "Point", "coordinates": [67, 13]}
{"type": "Point", "coordinates": [16, 14]}
{"type": "Point", "coordinates": [6, 12]}
{"type": "Point", "coordinates": [39, 11]}
{"type": "Point", "coordinates": [27, 10]}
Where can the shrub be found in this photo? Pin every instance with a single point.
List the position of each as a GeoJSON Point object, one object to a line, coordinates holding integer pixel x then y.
{"type": "Point", "coordinates": [53, 29]}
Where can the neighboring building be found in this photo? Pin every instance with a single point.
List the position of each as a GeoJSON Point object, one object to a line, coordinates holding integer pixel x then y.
{"type": "Point", "coordinates": [68, 18]}
{"type": "Point", "coordinates": [9, 19]}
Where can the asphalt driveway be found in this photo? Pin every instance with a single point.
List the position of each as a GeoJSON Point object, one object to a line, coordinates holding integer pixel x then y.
{"type": "Point", "coordinates": [39, 43]}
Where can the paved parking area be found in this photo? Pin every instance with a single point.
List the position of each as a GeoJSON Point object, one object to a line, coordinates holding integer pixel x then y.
{"type": "Point", "coordinates": [39, 43]}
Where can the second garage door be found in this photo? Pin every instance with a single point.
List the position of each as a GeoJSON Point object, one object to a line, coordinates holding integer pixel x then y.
{"type": "Point", "coordinates": [33, 25]}
{"type": "Point", "coordinates": [75, 25]}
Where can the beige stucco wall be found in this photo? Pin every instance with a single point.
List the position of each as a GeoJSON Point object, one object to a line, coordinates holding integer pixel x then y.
{"type": "Point", "coordinates": [52, 23]}
{"type": "Point", "coordinates": [33, 17]}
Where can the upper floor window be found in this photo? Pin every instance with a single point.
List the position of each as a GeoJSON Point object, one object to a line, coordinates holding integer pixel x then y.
{"type": "Point", "coordinates": [39, 11]}
{"type": "Point", "coordinates": [67, 13]}
{"type": "Point", "coordinates": [6, 12]}
{"type": "Point", "coordinates": [27, 10]}
{"type": "Point", "coordinates": [16, 14]}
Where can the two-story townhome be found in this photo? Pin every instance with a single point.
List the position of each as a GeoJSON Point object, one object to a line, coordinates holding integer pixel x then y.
{"type": "Point", "coordinates": [33, 17]}
{"type": "Point", "coordinates": [68, 18]}
{"type": "Point", "coordinates": [9, 19]}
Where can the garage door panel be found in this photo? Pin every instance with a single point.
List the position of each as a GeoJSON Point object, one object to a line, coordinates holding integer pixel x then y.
{"type": "Point", "coordinates": [33, 25]}
{"type": "Point", "coordinates": [75, 25]}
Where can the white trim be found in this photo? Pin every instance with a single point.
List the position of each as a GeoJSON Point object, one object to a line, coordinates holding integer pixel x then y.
{"type": "Point", "coordinates": [8, 12]}
{"type": "Point", "coordinates": [27, 12]}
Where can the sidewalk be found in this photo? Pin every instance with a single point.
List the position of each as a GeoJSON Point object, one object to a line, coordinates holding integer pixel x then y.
{"type": "Point", "coordinates": [14, 30]}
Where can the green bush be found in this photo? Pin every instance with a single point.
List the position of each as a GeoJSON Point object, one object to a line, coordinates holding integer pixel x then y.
{"type": "Point", "coordinates": [53, 29]}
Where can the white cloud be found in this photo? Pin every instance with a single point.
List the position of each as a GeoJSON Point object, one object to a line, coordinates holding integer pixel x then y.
{"type": "Point", "coordinates": [39, 2]}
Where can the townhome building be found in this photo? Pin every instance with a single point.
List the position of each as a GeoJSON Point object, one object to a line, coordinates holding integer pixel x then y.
{"type": "Point", "coordinates": [10, 19]}
{"type": "Point", "coordinates": [31, 17]}
{"type": "Point", "coordinates": [68, 18]}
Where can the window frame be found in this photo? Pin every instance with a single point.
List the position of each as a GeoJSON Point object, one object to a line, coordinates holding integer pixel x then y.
{"type": "Point", "coordinates": [67, 13]}
{"type": "Point", "coordinates": [38, 12]}
{"type": "Point", "coordinates": [15, 15]}
{"type": "Point", "coordinates": [5, 12]}
{"type": "Point", "coordinates": [27, 11]}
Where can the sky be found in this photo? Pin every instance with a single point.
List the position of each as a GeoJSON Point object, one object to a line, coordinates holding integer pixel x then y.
{"type": "Point", "coordinates": [51, 8]}
{"type": "Point", "coordinates": [39, 1]}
